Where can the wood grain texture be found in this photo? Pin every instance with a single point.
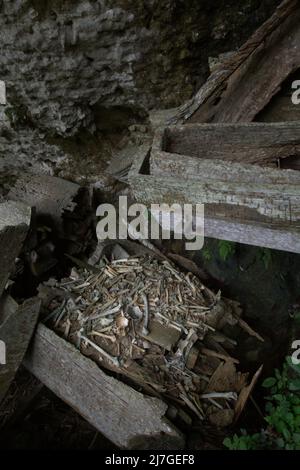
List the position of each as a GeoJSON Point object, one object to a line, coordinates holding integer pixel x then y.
{"type": "Point", "coordinates": [244, 84]}
{"type": "Point", "coordinates": [14, 224]}
{"type": "Point", "coordinates": [125, 416]}
{"type": "Point", "coordinates": [256, 143]}
{"type": "Point", "coordinates": [262, 215]}
{"type": "Point", "coordinates": [206, 170]}
{"type": "Point", "coordinates": [274, 204]}
{"type": "Point", "coordinates": [51, 196]}
{"type": "Point", "coordinates": [17, 324]}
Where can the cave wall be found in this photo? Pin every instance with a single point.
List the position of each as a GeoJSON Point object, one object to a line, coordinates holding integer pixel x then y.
{"type": "Point", "coordinates": [64, 61]}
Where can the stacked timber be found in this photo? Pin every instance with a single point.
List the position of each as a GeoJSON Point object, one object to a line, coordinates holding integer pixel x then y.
{"type": "Point", "coordinates": [236, 170]}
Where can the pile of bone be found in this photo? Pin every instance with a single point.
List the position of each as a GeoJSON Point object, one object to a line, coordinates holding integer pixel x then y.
{"type": "Point", "coordinates": [157, 326]}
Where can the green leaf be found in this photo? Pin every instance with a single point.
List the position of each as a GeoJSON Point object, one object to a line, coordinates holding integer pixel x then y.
{"type": "Point", "coordinates": [226, 249]}
{"type": "Point", "coordinates": [227, 443]}
{"type": "Point", "coordinates": [269, 382]}
{"type": "Point", "coordinates": [294, 385]}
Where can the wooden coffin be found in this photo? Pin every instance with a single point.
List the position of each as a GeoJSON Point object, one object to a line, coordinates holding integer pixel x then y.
{"type": "Point", "coordinates": [128, 418]}
{"type": "Point", "coordinates": [235, 171]}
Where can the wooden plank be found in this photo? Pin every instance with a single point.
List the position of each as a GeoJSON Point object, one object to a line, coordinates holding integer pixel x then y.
{"type": "Point", "coordinates": [266, 218]}
{"type": "Point", "coordinates": [14, 224]}
{"type": "Point", "coordinates": [51, 196]}
{"type": "Point", "coordinates": [273, 204]}
{"type": "Point", "coordinates": [202, 169]}
{"type": "Point", "coordinates": [244, 84]}
{"type": "Point", "coordinates": [253, 234]}
{"type": "Point", "coordinates": [256, 143]}
{"type": "Point", "coordinates": [237, 228]}
{"type": "Point", "coordinates": [17, 324]}
{"type": "Point", "coordinates": [265, 69]}
{"type": "Point", "coordinates": [125, 416]}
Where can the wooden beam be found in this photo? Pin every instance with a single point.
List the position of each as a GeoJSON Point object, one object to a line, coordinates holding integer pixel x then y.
{"type": "Point", "coordinates": [126, 417]}
{"type": "Point", "coordinates": [255, 143]}
{"type": "Point", "coordinates": [245, 83]}
{"type": "Point", "coordinates": [166, 164]}
{"type": "Point", "coordinates": [263, 215]}
{"type": "Point", "coordinates": [51, 196]}
{"type": "Point", "coordinates": [17, 324]}
{"type": "Point", "coordinates": [14, 224]}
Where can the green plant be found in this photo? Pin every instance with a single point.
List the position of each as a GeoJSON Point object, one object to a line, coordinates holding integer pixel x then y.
{"type": "Point", "coordinates": [207, 254]}
{"type": "Point", "coordinates": [245, 441]}
{"type": "Point", "coordinates": [226, 249]}
{"type": "Point", "coordinates": [266, 257]}
{"type": "Point", "coordinates": [282, 414]}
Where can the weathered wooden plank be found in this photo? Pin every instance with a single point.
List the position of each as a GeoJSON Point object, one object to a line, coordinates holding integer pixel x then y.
{"type": "Point", "coordinates": [233, 211]}
{"type": "Point", "coordinates": [245, 83]}
{"type": "Point", "coordinates": [268, 203]}
{"type": "Point", "coordinates": [202, 169]}
{"type": "Point", "coordinates": [17, 324]}
{"type": "Point", "coordinates": [14, 224]}
{"type": "Point", "coordinates": [265, 69]}
{"type": "Point", "coordinates": [275, 204]}
{"type": "Point", "coordinates": [51, 196]}
{"type": "Point", "coordinates": [266, 197]}
{"type": "Point", "coordinates": [125, 416]}
{"type": "Point", "coordinates": [236, 226]}
{"type": "Point", "coordinates": [256, 143]}
{"type": "Point", "coordinates": [253, 234]}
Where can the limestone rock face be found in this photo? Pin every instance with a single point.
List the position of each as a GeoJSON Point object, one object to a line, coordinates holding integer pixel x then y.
{"type": "Point", "coordinates": [69, 64]}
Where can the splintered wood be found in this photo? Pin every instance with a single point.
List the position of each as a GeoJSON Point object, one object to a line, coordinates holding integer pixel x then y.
{"type": "Point", "coordinates": [270, 55]}
{"type": "Point", "coordinates": [158, 327]}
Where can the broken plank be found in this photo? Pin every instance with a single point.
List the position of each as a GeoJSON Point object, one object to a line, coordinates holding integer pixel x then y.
{"type": "Point", "coordinates": [51, 196]}
{"type": "Point", "coordinates": [126, 417]}
{"type": "Point", "coordinates": [264, 61]}
{"type": "Point", "coordinates": [17, 324]}
{"type": "Point", "coordinates": [14, 224]}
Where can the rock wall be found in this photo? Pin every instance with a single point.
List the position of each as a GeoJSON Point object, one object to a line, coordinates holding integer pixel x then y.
{"type": "Point", "coordinates": [68, 64]}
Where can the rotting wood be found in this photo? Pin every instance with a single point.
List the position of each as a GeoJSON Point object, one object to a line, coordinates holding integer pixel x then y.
{"type": "Point", "coordinates": [51, 196]}
{"type": "Point", "coordinates": [272, 204]}
{"type": "Point", "coordinates": [263, 215]}
{"type": "Point", "coordinates": [17, 324]}
{"type": "Point", "coordinates": [123, 415]}
{"type": "Point", "coordinates": [14, 224]}
{"type": "Point", "coordinates": [166, 164]}
{"type": "Point", "coordinates": [252, 143]}
{"type": "Point", "coordinates": [264, 61]}
{"type": "Point", "coordinates": [245, 394]}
